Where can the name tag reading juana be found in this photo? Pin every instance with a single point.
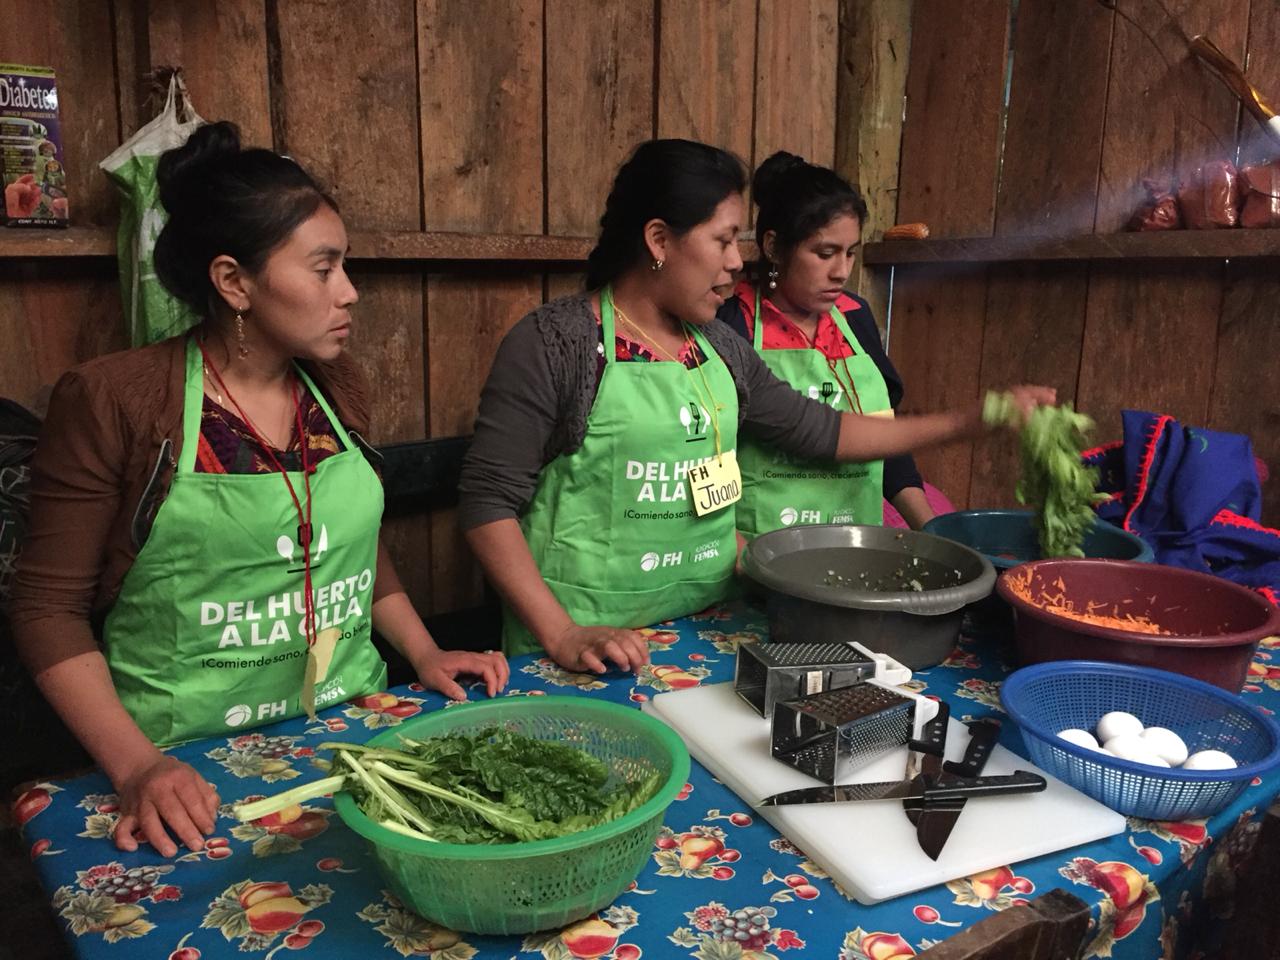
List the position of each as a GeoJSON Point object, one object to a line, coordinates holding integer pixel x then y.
{"type": "Point", "coordinates": [716, 483]}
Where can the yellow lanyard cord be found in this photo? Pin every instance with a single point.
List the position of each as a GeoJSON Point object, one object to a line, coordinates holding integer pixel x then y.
{"type": "Point", "coordinates": [714, 408]}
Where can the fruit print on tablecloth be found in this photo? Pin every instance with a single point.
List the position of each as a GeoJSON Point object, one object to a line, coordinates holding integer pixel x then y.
{"type": "Point", "coordinates": [257, 755]}
{"type": "Point", "coordinates": [659, 640]}
{"type": "Point", "coordinates": [745, 933]}
{"type": "Point", "coordinates": [598, 935]}
{"type": "Point", "coordinates": [1126, 892]}
{"type": "Point", "coordinates": [862, 944]}
{"type": "Point", "coordinates": [409, 935]}
{"type": "Point", "coordinates": [1191, 836]}
{"type": "Point", "coordinates": [728, 643]}
{"type": "Point", "coordinates": [33, 802]}
{"type": "Point", "coordinates": [698, 852]}
{"type": "Point", "coordinates": [278, 833]}
{"type": "Point", "coordinates": [378, 711]}
{"type": "Point", "coordinates": [107, 899]}
{"type": "Point", "coordinates": [257, 912]}
{"type": "Point", "coordinates": [986, 692]}
{"type": "Point", "coordinates": [663, 677]}
{"type": "Point", "coordinates": [996, 889]}
{"type": "Point", "coordinates": [548, 671]}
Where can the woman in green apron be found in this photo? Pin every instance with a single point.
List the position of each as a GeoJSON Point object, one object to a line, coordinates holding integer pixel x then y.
{"type": "Point", "coordinates": [823, 341]}
{"type": "Point", "coordinates": [207, 498]}
{"type": "Point", "coordinates": [599, 490]}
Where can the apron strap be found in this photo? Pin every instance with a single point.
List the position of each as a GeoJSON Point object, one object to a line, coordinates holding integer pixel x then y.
{"type": "Point", "coordinates": [842, 325]}
{"type": "Point", "coordinates": [193, 407]}
{"type": "Point", "coordinates": [343, 437]}
{"type": "Point", "coordinates": [757, 332]}
{"type": "Point", "coordinates": [607, 334]}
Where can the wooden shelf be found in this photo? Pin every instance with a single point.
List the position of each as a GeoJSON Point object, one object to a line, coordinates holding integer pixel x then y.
{"type": "Point", "coordinates": [368, 245]}
{"type": "Point", "coordinates": [401, 246]}
{"type": "Point", "coordinates": [71, 242]}
{"type": "Point", "coordinates": [1166, 245]}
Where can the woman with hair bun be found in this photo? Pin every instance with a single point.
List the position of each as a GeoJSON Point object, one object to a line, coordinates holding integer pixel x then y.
{"type": "Point", "coordinates": [823, 340]}
{"type": "Point", "coordinates": [206, 503]}
{"type": "Point", "coordinates": [598, 493]}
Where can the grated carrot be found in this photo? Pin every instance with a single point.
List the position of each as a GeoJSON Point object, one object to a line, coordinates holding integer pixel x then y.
{"type": "Point", "coordinates": [1059, 605]}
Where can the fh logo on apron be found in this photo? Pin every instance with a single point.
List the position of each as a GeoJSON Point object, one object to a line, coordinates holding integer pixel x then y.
{"type": "Point", "coordinates": [790, 516]}
{"type": "Point", "coordinates": [826, 392]}
{"type": "Point", "coordinates": [695, 420]}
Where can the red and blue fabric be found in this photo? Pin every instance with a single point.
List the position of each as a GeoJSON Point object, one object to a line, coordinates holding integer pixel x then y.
{"type": "Point", "coordinates": [1193, 494]}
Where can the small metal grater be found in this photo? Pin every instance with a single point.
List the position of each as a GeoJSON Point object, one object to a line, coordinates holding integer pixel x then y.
{"type": "Point", "coordinates": [767, 673]}
{"type": "Point", "coordinates": [833, 734]}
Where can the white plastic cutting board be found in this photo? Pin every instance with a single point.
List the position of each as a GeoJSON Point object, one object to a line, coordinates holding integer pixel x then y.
{"type": "Point", "coordinates": [870, 849]}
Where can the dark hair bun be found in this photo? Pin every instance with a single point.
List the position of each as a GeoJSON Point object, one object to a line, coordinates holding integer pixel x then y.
{"type": "Point", "coordinates": [767, 184]}
{"type": "Point", "coordinates": [223, 199]}
{"type": "Point", "coordinates": [181, 169]}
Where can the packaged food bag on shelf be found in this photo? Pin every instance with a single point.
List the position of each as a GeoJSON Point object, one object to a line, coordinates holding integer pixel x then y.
{"type": "Point", "coordinates": [1211, 200]}
{"type": "Point", "coordinates": [151, 313]}
{"type": "Point", "coordinates": [31, 162]}
{"type": "Point", "coordinates": [1261, 188]}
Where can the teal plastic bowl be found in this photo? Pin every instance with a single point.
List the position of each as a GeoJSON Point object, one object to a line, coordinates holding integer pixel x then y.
{"type": "Point", "coordinates": [1008, 537]}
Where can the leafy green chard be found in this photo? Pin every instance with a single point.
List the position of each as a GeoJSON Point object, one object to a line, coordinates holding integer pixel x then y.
{"type": "Point", "coordinates": [1061, 489]}
{"type": "Point", "coordinates": [493, 786]}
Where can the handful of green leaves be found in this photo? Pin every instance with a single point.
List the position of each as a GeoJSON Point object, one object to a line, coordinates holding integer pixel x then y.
{"type": "Point", "coordinates": [1054, 481]}
{"type": "Point", "coordinates": [493, 786]}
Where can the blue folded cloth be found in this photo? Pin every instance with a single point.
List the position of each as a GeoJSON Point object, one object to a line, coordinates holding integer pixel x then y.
{"type": "Point", "coordinates": [1193, 495]}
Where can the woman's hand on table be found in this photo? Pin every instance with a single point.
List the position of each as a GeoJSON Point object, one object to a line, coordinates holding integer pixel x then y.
{"type": "Point", "coordinates": [582, 648]}
{"type": "Point", "coordinates": [439, 669]}
{"type": "Point", "coordinates": [165, 793]}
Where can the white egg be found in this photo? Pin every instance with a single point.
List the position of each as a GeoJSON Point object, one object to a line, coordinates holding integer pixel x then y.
{"type": "Point", "coordinates": [1081, 738]}
{"type": "Point", "coordinates": [1131, 746]}
{"type": "Point", "coordinates": [1167, 745]}
{"type": "Point", "coordinates": [1209, 760]}
{"type": "Point", "coordinates": [1117, 723]}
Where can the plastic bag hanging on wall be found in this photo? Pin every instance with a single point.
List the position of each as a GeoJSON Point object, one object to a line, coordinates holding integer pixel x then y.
{"type": "Point", "coordinates": [151, 313]}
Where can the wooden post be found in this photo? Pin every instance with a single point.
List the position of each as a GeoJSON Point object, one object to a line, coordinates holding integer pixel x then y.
{"type": "Point", "coordinates": [871, 84]}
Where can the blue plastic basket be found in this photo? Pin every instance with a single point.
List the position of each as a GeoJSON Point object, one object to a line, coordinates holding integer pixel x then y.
{"type": "Point", "coordinates": [1050, 697]}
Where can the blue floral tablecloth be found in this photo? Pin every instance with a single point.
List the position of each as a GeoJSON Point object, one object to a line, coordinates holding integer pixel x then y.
{"type": "Point", "coordinates": [269, 888]}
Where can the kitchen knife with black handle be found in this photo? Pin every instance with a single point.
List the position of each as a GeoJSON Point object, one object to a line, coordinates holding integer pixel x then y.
{"type": "Point", "coordinates": [1020, 781]}
{"type": "Point", "coordinates": [935, 817]}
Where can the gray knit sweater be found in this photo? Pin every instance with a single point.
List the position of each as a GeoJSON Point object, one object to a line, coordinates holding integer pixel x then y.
{"type": "Point", "coordinates": [535, 405]}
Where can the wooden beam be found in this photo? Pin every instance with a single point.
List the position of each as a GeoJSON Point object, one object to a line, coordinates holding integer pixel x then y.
{"type": "Point", "coordinates": [871, 82]}
{"type": "Point", "coordinates": [388, 245]}
{"type": "Point", "coordinates": [1166, 245]}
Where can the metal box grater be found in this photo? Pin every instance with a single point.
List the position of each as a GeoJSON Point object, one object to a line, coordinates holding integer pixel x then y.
{"type": "Point", "coordinates": [768, 673]}
{"type": "Point", "coordinates": [833, 734]}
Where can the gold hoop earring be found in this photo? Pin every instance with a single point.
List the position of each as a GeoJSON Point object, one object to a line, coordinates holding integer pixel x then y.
{"type": "Point", "coordinates": [658, 265]}
{"type": "Point", "coordinates": [241, 349]}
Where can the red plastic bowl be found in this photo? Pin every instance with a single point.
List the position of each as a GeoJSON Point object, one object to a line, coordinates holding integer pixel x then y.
{"type": "Point", "coordinates": [1215, 624]}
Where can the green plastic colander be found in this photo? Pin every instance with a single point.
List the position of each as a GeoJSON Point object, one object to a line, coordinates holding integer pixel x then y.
{"type": "Point", "coordinates": [518, 888]}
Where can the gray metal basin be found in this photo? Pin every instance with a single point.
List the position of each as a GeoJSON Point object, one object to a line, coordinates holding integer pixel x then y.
{"type": "Point", "coordinates": [899, 592]}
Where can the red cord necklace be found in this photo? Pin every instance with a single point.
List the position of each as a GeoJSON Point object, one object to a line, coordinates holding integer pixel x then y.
{"type": "Point", "coordinates": [304, 517]}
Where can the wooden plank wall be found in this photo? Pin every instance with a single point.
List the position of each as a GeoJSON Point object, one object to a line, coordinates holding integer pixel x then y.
{"type": "Point", "coordinates": [483, 116]}
{"type": "Point", "coordinates": [1098, 98]}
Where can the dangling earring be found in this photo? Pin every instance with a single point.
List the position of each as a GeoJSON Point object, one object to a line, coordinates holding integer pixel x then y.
{"type": "Point", "coordinates": [241, 349]}
{"type": "Point", "coordinates": [773, 277]}
{"type": "Point", "coordinates": [658, 265]}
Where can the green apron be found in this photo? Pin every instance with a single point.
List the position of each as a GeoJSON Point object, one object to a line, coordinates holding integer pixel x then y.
{"type": "Point", "coordinates": [207, 635]}
{"type": "Point", "coordinates": [780, 491]}
{"type": "Point", "coordinates": [611, 525]}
